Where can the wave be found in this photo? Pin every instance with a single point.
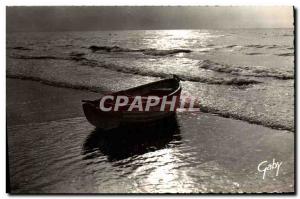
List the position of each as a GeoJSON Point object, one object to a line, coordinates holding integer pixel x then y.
{"type": "Point", "coordinates": [251, 120]}
{"type": "Point", "coordinates": [285, 54]}
{"type": "Point", "coordinates": [253, 53]}
{"type": "Point", "coordinates": [254, 71]}
{"type": "Point", "coordinates": [231, 46]}
{"type": "Point", "coordinates": [19, 48]}
{"type": "Point", "coordinates": [235, 81]}
{"type": "Point", "coordinates": [110, 49]}
{"type": "Point", "coordinates": [77, 56]}
{"type": "Point", "coordinates": [76, 76]}
{"type": "Point", "coordinates": [240, 82]}
{"type": "Point", "coordinates": [273, 46]}
{"type": "Point", "coordinates": [207, 108]}
{"type": "Point", "coordinates": [38, 57]}
{"type": "Point", "coordinates": [149, 51]}
{"type": "Point", "coordinates": [256, 46]}
{"type": "Point", "coordinates": [155, 52]}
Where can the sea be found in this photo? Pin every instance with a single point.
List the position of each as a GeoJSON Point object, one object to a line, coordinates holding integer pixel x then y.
{"type": "Point", "coordinates": [244, 74]}
{"type": "Point", "coordinates": [247, 74]}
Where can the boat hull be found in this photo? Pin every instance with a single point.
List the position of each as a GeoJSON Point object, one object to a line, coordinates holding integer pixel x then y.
{"type": "Point", "coordinates": [109, 120]}
{"type": "Point", "coordinates": [112, 119]}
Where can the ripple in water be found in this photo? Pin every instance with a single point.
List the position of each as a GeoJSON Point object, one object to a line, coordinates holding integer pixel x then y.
{"type": "Point", "coordinates": [188, 153]}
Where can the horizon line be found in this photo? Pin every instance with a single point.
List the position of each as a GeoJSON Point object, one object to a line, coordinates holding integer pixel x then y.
{"type": "Point", "coordinates": [246, 28]}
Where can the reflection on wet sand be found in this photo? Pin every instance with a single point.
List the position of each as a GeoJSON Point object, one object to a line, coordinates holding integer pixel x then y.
{"type": "Point", "coordinates": [68, 159]}
{"type": "Point", "coordinates": [126, 141]}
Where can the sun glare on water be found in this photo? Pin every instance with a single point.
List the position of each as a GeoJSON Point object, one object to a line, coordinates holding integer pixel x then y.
{"type": "Point", "coordinates": [172, 39]}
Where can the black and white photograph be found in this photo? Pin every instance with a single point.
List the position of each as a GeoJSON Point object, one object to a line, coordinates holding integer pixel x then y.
{"type": "Point", "coordinates": [150, 99]}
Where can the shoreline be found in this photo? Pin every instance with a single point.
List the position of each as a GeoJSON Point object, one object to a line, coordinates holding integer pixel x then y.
{"type": "Point", "coordinates": [98, 91]}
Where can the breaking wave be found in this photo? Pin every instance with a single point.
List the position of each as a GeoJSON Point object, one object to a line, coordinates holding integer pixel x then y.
{"type": "Point", "coordinates": [149, 51]}
{"type": "Point", "coordinates": [254, 71]}
{"type": "Point", "coordinates": [253, 120]}
{"type": "Point", "coordinates": [241, 74]}
{"type": "Point", "coordinates": [79, 57]}
{"type": "Point", "coordinates": [235, 81]}
{"type": "Point", "coordinates": [240, 79]}
{"type": "Point", "coordinates": [240, 82]}
{"type": "Point", "coordinates": [286, 54]}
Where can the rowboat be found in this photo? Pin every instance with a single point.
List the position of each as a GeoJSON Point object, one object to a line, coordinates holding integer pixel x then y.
{"type": "Point", "coordinates": [167, 89]}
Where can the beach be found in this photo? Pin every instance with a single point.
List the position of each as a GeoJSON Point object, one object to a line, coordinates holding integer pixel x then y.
{"type": "Point", "coordinates": [53, 149]}
{"type": "Point", "coordinates": [228, 70]}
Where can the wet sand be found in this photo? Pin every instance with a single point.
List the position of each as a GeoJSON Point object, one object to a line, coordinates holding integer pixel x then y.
{"type": "Point", "coordinates": [33, 102]}
{"type": "Point", "coordinates": [53, 149]}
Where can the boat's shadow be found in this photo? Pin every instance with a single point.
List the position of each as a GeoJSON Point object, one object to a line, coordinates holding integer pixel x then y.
{"type": "Point", "coordinates": [127, 141]}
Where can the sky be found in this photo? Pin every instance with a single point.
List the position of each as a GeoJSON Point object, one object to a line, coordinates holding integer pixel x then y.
{"type": "Point", "coordinates": [86, 18]}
